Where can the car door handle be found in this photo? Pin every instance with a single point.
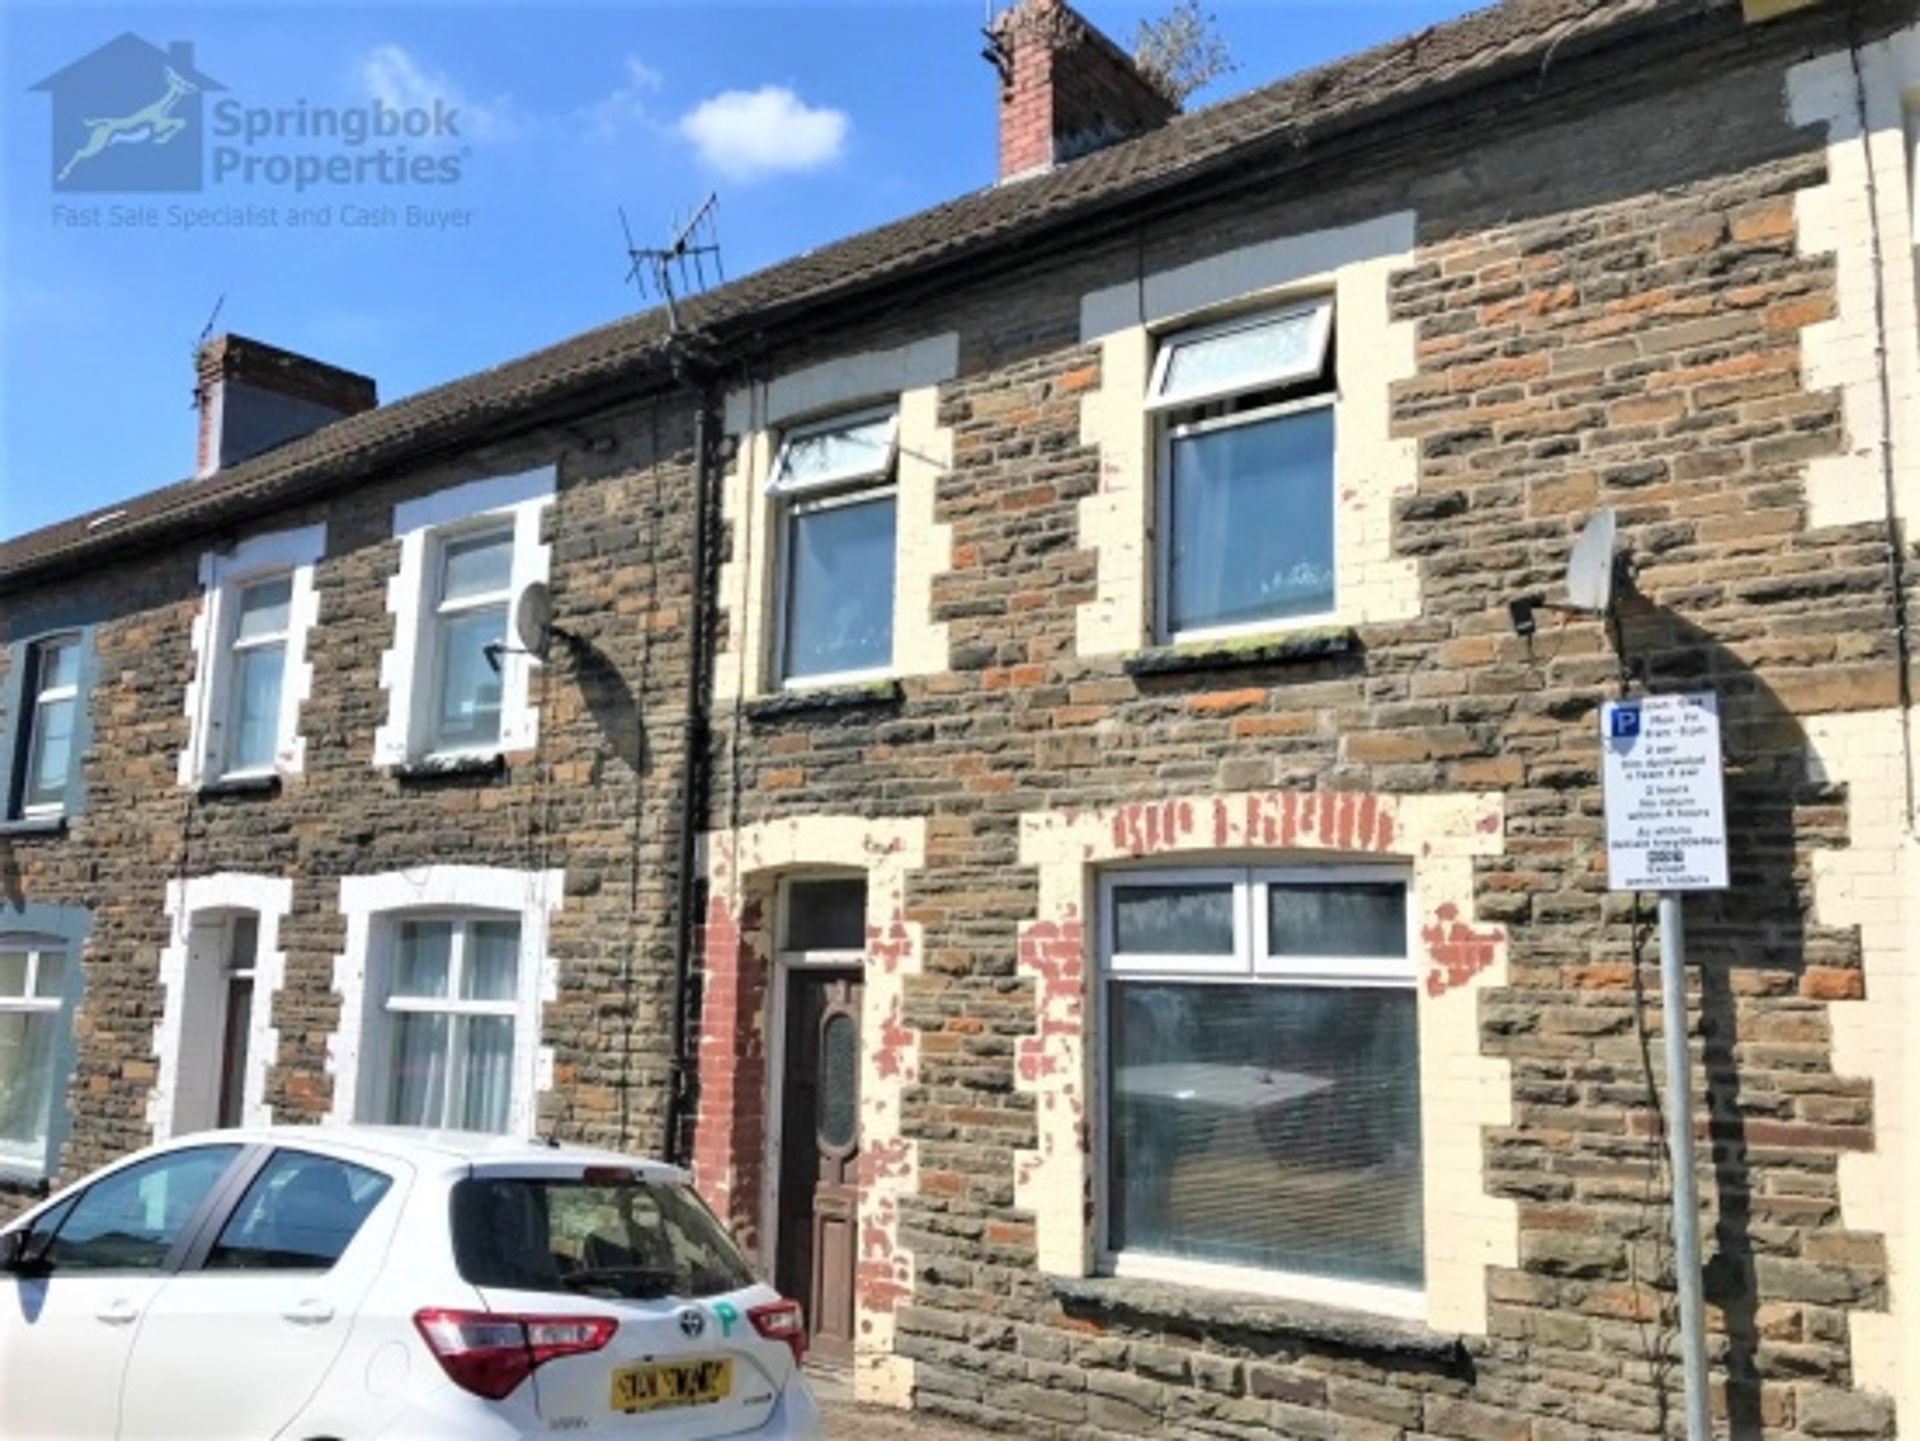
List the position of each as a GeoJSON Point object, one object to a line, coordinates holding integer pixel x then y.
{"type": "Point", "coordinates": [309, 1313]}
{"type": "Point", "coordinates": [119, 1312]}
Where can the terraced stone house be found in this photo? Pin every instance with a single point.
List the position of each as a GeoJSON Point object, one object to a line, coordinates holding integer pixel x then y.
{"type": "Point", "coordinates": [1032, 788]}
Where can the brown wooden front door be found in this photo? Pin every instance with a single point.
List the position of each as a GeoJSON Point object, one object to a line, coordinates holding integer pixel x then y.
{"type": "Point", "coordinates": [819, 1155]}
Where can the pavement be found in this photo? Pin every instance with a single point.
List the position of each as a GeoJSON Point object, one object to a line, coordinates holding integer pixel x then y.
{"type": "Point", "coordinates": [847, 1421]}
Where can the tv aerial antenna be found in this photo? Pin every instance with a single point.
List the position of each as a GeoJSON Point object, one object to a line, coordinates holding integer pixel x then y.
{"type": "Point", "coordinates": [679, 268]}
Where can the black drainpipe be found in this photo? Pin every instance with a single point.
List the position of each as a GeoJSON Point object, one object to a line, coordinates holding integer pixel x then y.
{"type": "Point", "coordinates": [697, 374]}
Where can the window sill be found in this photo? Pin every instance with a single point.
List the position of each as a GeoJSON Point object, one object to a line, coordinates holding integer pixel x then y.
{"type": "Point", "coordinates": [824, 698]}
{"type": "Point", "coordinates": [429, 770]}
{"type": "Point", "coordinates": [233, 786]}
{"type": "Point", "coordinates": [1158, 1303]}
{"type": "Point", "coordinates": [1226, 653]}
{"type": "Point", "coordinates": [29, 826]}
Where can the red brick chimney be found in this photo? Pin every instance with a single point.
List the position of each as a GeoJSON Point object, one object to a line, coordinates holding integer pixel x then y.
{"type": "Point", "coordinates": [1065, 89]}
{"type": "Point", "coordinates": [253, 396]}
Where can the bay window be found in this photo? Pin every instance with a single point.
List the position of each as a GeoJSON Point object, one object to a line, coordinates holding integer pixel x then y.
{"type": "Point", "coordinates": [834, 483]}
{"type": "Point", "coordinates": [1244, 410]}
{"type": "Point", "coordinates": [451, 1004]}
{"type": "Point", "coordinates": [32, 997]}
{"type": "Point", "coordinates": [1261, 1081]}
{"type": "Point", "coordinates": [473, 592]}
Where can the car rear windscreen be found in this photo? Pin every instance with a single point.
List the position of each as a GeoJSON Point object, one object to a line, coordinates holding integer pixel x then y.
{"type": "Point", "coordinates": [627, 1239]}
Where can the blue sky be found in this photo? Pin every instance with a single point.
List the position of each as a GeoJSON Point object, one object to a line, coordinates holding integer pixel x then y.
{"type": "Point", "coordinates": [812, 120]}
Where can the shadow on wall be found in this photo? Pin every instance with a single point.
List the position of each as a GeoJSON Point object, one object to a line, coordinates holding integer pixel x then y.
{"type": "Point", "coordinates": [1752, 939]}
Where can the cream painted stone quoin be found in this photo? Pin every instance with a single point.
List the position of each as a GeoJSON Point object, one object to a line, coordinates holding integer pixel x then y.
{"type": "Point", "coordinates": [744, 868]}
{"type": "Point", "coordinates": [1462, 1092]}
{"type": "Point", "coordinates": [1354, 266]}
{"type": "Point", "coordinates": [910, 377]}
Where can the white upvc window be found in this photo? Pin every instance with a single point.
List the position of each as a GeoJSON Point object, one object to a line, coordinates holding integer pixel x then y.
{"type": "Point", "coordinates": [451, 1003]}
{"type": "Point", "coordinates": [1260, 1090]}
{"type": "Point", "coordinates": [258, 657]}
{"type": "Point", "coordinates": [458, 685]}
{"type": "Point", "coordinates": [473, 592]}
{"type": "Point", "coordinates": [252, 675]}
{"type": "Point", "coordinates": [53, 704]}
{"type": "Point", "coordinates": [1245, 500]}
{"type": "Point", "coordinates": [833, 481]}
{"type": "Point", "coordinates": [32, 995]}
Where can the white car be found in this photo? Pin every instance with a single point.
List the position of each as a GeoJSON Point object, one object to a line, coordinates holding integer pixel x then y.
{"type": "Point", "coordinates": [341, 1283]}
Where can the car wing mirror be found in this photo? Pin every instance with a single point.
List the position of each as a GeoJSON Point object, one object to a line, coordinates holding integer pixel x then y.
{"type": "Point", "coordinates": [19, 1256]}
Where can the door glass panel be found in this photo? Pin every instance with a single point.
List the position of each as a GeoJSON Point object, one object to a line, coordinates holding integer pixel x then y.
{"type": "Point", "coordinates": [133, 1218]}
{"type": "Point", "coordinates": [839, 1080]}
{"type": "Point", "coordinates": [243, 947]}
{"type": "Point", "coordinates": [827, 914]}
{"type": "Point", "coordinates": [299, 1214]}
{"type": "Point", "coordinates": [1173, 920]}
{"type": "Point", "coordinates": [233, 1062]}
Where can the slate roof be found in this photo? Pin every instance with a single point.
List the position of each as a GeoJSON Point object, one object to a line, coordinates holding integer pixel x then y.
{"type": "Point", "coordinates": [1371, 87]}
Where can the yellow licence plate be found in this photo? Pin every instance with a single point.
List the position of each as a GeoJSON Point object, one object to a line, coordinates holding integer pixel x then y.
{"type": "Point", "coordinates": [661, 1384]}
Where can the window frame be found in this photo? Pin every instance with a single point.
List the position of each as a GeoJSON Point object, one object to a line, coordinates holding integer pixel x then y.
{"type": "Point", "coordinates": [1165, 416]}
{"type": "Point", "coordinates": [842, 490]}
{"type": "Point", "coordinates": [1167, 345]}
{"type": "Point", "coordinates": [458, 1010]}
{"type": "Point", "coordinates": [435, 615]}
{"type": "Point", "coordinates": [30, 1003]}
{"type": "Point", "coordinates": [226, 688]}
{"type": "Point", "coordinates": [1244, 968]}
{"type": "Point", "coordinates": [34, 699]}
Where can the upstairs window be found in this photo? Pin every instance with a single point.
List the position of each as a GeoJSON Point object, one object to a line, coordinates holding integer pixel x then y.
{"type": "Point", "coordinates": [259, 662]}
{"type": "Point", "coordinates": [1244, 410]}
{"type": "Point", "coordinates": [473, 594]}
{"type": "Point", "coordinates": [834, 483]}
{"type": "Point", "coordinates": [1262, 1091]}
{"type": "Point", "coordinates": [52, 703]}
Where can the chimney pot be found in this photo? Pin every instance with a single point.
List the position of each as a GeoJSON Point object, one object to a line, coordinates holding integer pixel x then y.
{"type": "Point", "coordinates": [253, 396]}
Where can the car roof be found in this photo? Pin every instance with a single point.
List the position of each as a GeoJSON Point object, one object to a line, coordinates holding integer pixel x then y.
{"type": "Point", "coordinates": [453, 1149]}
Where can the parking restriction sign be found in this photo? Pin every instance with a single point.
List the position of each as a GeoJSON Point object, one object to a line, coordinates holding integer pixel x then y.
{"type": "Point", "coordinates": [1666, 809]}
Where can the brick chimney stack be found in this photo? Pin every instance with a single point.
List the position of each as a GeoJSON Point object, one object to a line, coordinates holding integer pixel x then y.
{"type": "Point", "coordinates": [1065, 88]}
{"type": "Point", "coordinates": [253, 397]}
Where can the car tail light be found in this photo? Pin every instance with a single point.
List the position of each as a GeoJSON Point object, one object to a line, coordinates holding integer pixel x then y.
{"type": "Point", "coordinates": [782, 1321]}
{"type": "Point", "coordinates": [491, 1352]}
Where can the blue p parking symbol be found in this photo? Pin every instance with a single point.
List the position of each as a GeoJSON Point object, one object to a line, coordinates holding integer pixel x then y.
{"type": "Point", "coordinates": [1624, 723]}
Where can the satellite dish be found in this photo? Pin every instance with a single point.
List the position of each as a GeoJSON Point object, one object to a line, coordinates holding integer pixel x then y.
{"type": "Point", "coordinates": [533, 619]}
{"type": "Point", "coordinates": [1590, 568]}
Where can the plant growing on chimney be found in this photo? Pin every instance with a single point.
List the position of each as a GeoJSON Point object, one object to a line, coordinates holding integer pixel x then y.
{"type": "Point", "coordinates": [1182, 51]}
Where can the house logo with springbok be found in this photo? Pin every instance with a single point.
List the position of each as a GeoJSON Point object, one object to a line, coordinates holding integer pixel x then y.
{"type": "Point", "coordinates": [127, 117]}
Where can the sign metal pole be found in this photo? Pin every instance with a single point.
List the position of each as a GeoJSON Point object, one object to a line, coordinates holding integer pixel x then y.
{"type": "Point", "coordinates": [1686, 1196]}
{"type": "Point", "coordinates": [1667, 832]}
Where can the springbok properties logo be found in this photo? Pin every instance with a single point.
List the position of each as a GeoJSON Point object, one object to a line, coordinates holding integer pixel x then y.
{"type": "Point", "coordinates": [127, 117]}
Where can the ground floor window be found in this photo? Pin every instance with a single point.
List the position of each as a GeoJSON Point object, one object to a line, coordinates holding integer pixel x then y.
{"type": "Point", "coordinates": [32, 987]}
{"type": "Point", "coordinates": [1261, 1076]}
{"type": "Point", "coordinates": [452, 1002]}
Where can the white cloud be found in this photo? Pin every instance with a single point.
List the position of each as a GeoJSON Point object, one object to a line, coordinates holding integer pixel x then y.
{"type": "Point", "coordinates": [745, 133]}
{"type": "Point", "coordinates": [395, 78]}
{"type": "Point", "coordinates": [625, 107]}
